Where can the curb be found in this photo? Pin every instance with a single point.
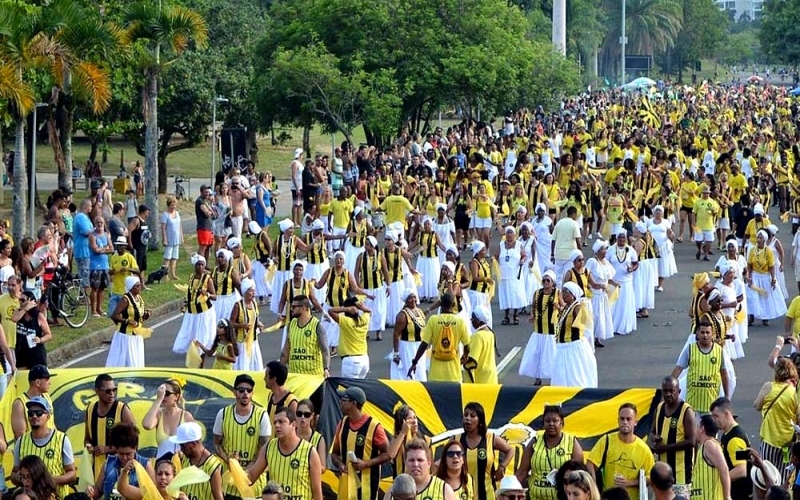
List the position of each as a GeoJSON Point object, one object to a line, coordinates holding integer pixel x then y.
{"type": "Point", "coordinates": [93, 340]}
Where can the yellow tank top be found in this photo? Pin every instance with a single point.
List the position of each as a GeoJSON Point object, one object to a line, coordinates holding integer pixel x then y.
{"type": "Point", "coordinates": [371, 271]}
{"type": "Point", "coordinates": [414, 325]}
{"type": "Point", "coordinates": [161, 434]}
{"type": "Point", "coordinates": [483, 272]}
{"type": "Point", "coordinates": [248, 316]}
{"type": "Point", "coordinates": [544, 460]}
{"type": "Point", "coordinates": [545, 314]}
{"type": "Point", "coordinates": [483, 207]}
{"type": "Point", "coordinates": [774, 428]}
{"type": "Point", "coordinates": [51, 454]}
{"type": "Point", "coordinates": [324, 209]}
{"type": "Point", "coordinates": [317, 250]}
{"type": "Point", "coordinates": [242, 438]}
{"type": "Point", "coordinates": [703, 378]}
{"type": "Point", "coordinates": [292, 470]}
{"type": "Point", "coordinates": [706, 483]}
{"type": "Point", "coordinates": [201, 491]}
{"type": "Point", "coordinates": [134, 311]}
{"type": "Point", "coordinates": [566, 330]}
{"type": "Point", "coordinates": [360, 228]}
{"type": "Point", "coordinates": [434, 490]}
{"type": "Point", "coordinates": [466, 491]}
{"type": "Point", "coordinates": [671, 430]}
{"type": "Point", "coordinates": [221, 364]}
{"type": "Point", "coordinates": [285, 253]}
{"type": "Point", "coordinates": [394, 263]}
{"type": "Point", "coordinates": [290, 292]}
{"type": "Point", "coordinates": [197, 302]}
{"type": "Point", "coordinates": [305, 356]}
{"type": "Point", "coordinates": [338, 287]}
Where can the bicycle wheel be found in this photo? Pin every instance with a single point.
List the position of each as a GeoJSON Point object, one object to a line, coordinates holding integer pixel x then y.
{"type": "Point", "coordinates": [74, 305]}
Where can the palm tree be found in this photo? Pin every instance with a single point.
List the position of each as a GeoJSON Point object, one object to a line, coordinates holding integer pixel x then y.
{"type": "Point", "coordinates": [166, 33]}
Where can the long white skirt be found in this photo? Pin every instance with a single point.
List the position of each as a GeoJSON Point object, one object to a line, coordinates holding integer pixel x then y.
{"type": "Point", "coordinates": [331, 330]}
{"type": "Point", "coordinates": [733, 348]}
{"type": "Point", "coordinates": [430, 270]}
{"type": "Point", "coordinates": [769, 306]}
{"type": "Point", "coordinates": [315, 272]}
{"type": "Point", "coordinates": [377, 320]}
{"type": "Point", "coordinates": [407, 351]}
{"type": "Point", "coordinates": [781, 281]}
{"type": "Point", "coordinates": [531, 281]}
{"type": "Point", "coordinates": [540, 353]}
{"type": "Point", "coordinates": [666, 263]}
{"type": "Point", "coordinates": [126, 351]}
{"type": "Point", "coordinates": [603, 324]}
{"type": "Point", "coordinates": [623, 312]}
{"type": "Point", "coordinates": [252, 362]}
{"type": "Point", "coordinates": [408, 279]}
{"type": "Point", "coordinates": [543, 251]}
{"type": "Point", "coordinates": [223, 306]}
{"type": "Point", "coordinates": [263, 288]}
{"type": "Point", "coordinates": [574, 365]}
{"type": "Point", "coordinates": [201, 327]}
{"type": "Point", "coordinates": [477, 299]}
{"type": "Point", "coordinates": [728, 367]}
{"type": "Point", "coordinates": [351, 254]}
{"type": "Point", "coordinates": [511, 294]}
{"type": "Point", "coordinates": [280, 278]}
{"type": "Point", "coordinates": [394, 302]}
{"type": "Point", "coordinates": [643, 284]}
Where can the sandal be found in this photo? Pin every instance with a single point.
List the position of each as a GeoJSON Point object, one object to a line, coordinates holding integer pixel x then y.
{"type": "Point", "coordinates": [379, 337]}
{"type": "Point", "coordinates": [505, 321]}
{"type": "Point", "coordinates": [516, 320]}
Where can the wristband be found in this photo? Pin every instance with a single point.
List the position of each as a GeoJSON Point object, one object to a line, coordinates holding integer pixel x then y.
{"type": "Point", "coordinates": [778, 347]}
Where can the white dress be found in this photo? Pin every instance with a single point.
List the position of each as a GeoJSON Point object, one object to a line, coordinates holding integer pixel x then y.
{"type": "Point", "coordinates": [666, 260]}
{"type": "Point", "coordinates": [544, 239]}
{"type": "Point", "coordinates": [510, 290]}
{"type": "Point", "coordinates": [574, 364]}
{"type": "Point", "coordinates": [315, 272]}
{"type": "Point", "coordinates": [430, 268]}
{"type": "Point", "coordinates": [623, 311]}
{"type": "Point", "coordinates": [444, 231]}
{"type": "Point", "coordinates": [769, 304]}
{"type": "Point", "coordinates": [733, 348]}
{"type": "Point", "coordinates": [779, 276]}
{"type": "Point", "coordinates": [407, 350]}
{"type": "Point", "coordinates": [601, 272]}
{"type": "Point", "coordinates": [531, 273]}
{"type": "Point", "coordinates": [196, 326]}
{"type": "Point", "coordinates": [540, 351]}
{"type": "Point", "coordinates": [643, 285]}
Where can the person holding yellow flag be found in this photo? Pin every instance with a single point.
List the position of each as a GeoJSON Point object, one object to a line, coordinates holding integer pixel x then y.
{"type": "Point", "coordinates": [244, 320]}
{"type": "Point", "coordinates": [443, 332]}
{"type": "Point", "coordinates": [190, 438]}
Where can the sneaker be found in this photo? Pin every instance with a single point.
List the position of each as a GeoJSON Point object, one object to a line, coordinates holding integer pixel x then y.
{"type": "Point", "coordinates": [590, 236]}
{"type": "Point", "coordinates": [659, 289]}
{"type": "Point", "coordinates": [599, 235]}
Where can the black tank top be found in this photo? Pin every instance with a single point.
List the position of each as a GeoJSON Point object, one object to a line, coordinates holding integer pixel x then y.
{"type": "Point", "coordinates": [140, 236]}
{"type": "Point", "coordinates": [27, 356]}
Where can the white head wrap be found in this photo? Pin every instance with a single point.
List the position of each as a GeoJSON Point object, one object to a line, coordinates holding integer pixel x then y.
{"type": "Point", "coordinates": [441, 206]}
{"type": "Point", "coordinates": [523, 209]}
{"type": "Point", "coordinates": [510, 229]}
{"type": "Point", "coordinates": [527, 225]}
{"type": "Point", "coordinates": [622, 231]}
{"type": "Point", "coordinates": [233, 243]}
{"type": "Point", "coordinates": [481, 313]}
{"type": "Point", "coordinates": [225, 253]}
{"type": "Point", "coordinates": [373, 241]}
{"type": "Point", "coordinates": [449, 266]}
{"type": "Point", "coordinates": [550, 274]}
{"type": "Point", "coordinates": [725, 266]}
{"type": "Point", "coordinates": [403, 244]}
{"type": "Point", "coordinates": [408, 292]}
{"type": "Point", "coordinates": [573, 288]}
{"type": "Point", "coordinates": [254, 227]}
{"type": "Point", "coordinates": [641, 227]}
{"type": "Point", "coordinates": [300, 263]}
{"type": "Point", "coordinates": [426, 220]}
{"type": "Point", "coordinates": [763, 233]}
{"type": "Point", "coordinates": [658, 208]}
{"type": "Point", "coordinates": [247, 284]}
{"type": "Point", "coordinates": [477, 246]}
{"type": "Point", "coordinates": [773, 229]}
{"type": "Point", "coordinates": [390, 235]}
{"type": "Point", "coordinates": [338, 253]}
{"type": "Point", "coordinates": [317, 225]}
{"type": "Point", "coordinates": [758, 209]}
{"type": "Point", "coordinates": [357, 211]}
{"type": "Point", "coordinates": [732, 242]}
{"type": "Point", "coordinates": [599, 245]}
{"type": "Point", "coordinates": [197, 258]}
{"type": "Point", "coordinates": [714, 294]}
{"type": "Point", "coordinates": [541, 206]}
{"type": "Point", "coordinates": [130, 282]}
{"type": "Point", "coordinates": [452, 249]}
{"type": "Point", "coordinates": [575, 254]}
{"type": "Point", "coordinates": [285, 225]}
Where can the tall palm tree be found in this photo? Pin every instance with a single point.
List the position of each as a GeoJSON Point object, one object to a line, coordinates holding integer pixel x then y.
{"type": "Point", "coordinates": [166, 32]}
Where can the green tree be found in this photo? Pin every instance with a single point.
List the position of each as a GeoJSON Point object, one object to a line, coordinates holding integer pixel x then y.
{"type": "Point", "coordinates": [703, 30]}
{"type": "Point", "coordinates": [166, 32]}
{"type": "Point", "coordinates": [780, 31]}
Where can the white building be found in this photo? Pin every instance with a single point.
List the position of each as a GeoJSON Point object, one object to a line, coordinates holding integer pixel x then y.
{"type": "Point", "coordinates": [748, 8]}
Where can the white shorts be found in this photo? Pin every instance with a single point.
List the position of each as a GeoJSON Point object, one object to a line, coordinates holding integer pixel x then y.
{"type": "Point", "coordinates": [701, 236]}
{"type": "Point", "coordinates": [724, 223]}
{"type": "Point", "coordinates": [171, 252]}
{"type": "Point", "coordinates": [483, 223]}
{"type": "Point", "coordinates": [355, 366]}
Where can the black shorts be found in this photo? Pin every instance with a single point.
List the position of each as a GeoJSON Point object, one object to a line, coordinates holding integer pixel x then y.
{"type": "Point", "coordinates": [461, 222]}
{"type": "Point", "coordinates": [141, 258]}
{"type": "Point", "coordinates": [98, 279]}
{"type": "Point", "coordinates": [688, 210]}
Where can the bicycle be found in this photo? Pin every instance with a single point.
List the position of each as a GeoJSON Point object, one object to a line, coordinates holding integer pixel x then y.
{"type": "Point", "coordinates": [67, 298]}
{"type": "Point", "coordinates": [180, 192]}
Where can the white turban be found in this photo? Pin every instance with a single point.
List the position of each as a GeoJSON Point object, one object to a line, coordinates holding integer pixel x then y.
{"type": "Point", "coordinates": [526, 224]}
{"type": "Point", "coordinates": [574, 255]}
{"type": "Point", "coordinates": [733, 242]}
{"type": "Point", "coordinates": [300, 263]}
{"type": "Point", "coordinates": [357, 211]}
{"type": "Point", "coordinates": [510, 229]}
{"type": "Point", "coordinates": [715, 294]}
{"type": "Point", "coordinates": [338, 253]}
{"type": "Point", "coordinates": [481, 313]}
{"type": "Point", "coordinates": [725, 266]}
{"type": "Point", "coordinates": [599, 245]}
{"type": "Point", "coordinates": [285, 225]}
{"type": "Point", "coordinates": [408, 292]}
{"type": "Point", "coordinates": [234, 242]}
{"type": "Point", "coordinates": [541, 206]}
{"type": "Point", "coordinates": [550, 274]}
{"type": "Point", "coordinates": [441, 206]}
{"type": "Point", "coordinates": [373, 241]}
{"type": "Point", "coordinates": [641, 227]}
{"type": "Point", "coordinates": [451, 249]}
{"type": "Point", "coordinates": [622, 231]}
{"type": "Point", "coordinates": [763, 233]}
{"type": "Point", "coordinates": [317, 225]}
{"type": "Point", "coordinates": [773, 229]}
{"type": "Point", "coordinates": [477, 246]}
{"type": "Point", "coordinates": [523, 209]}
{"type": "Point", "coordinates": [658, 208]}
{"type": "Point", "coordinates": [758, 209]}
{"type": "Point", "coordinates": [247, 284]}
{"type": "Point", "coordinates": [426, 220]}
{"type": "Point", "coordinates": [130, 282]}
{"type": "Point", "coordinates": [197, 258]}
{"type": "Point", "coordinates": [254, 227]}
{"type": "Point", "coordinates": [573, 288]}
{"type": "Point", "coordinates": [225, 253]}
{"type": "Point", "coordinates": [390, 235]}
{"type": "Point", "coordinates": [449, 266]}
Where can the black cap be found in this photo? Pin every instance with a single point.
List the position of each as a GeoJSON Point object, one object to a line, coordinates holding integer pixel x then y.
{"type": "Point", "coordinates": [38, 372]}
{"type": "Point", "coordinates": [244, 378]}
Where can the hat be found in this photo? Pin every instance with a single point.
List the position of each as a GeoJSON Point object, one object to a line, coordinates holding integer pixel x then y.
{"type": "Point", "coordinates": [143, 208]}
{"type": "Point", "coordinates": [297, 153]}
{"type": "Point", "coordinates": [121, 240]}
{"type": "Point", "coordinates": [244, 379]}
{"type": "Point", "coordinates": [254, 227]}
{"type": "Point", "coordinates": [758, 209]}
{"type": "Point", "coordinates": [39, 401]}
{"type": "Point", "coordinates": [317, 225]}
{"type": "Point", "coordinates": [188, 432]}
{"type": "Point", "coordinates": [573, 288]}
{"type": "Point", "coordinates": [758, 478]}
{"type": "Point", "coordinates": [764, 234]}
{"type": "Point", "coordinates": [526, 225]}
{"type": "Point", "coordinates": [130, 282]}
{"type": "Point", "coordinates": [38, 372]}
{"type": "Point", "coordinates": [285, 225]}
{"type": "Point", "coordinates": [599, 245]}
{"type": "Point", "coordinates": [714, 295]}
{"type": "Point", "coordinates": [247, 284]}
{"type": "Point", "coordinates": [234, 243]}
{"type": "Point", "coordinates": [549, 274]}
{"type": "Point", "coordinates": [354, 393]}
{"type": "Point", "coordinates": [509, 484]}
{"type": "Point", "coordinates": [95, 184]}
{"type": "Point", "coordinates": [481, 313]}
{"type": "Point", "coordinates": [699, 281]}
{"type": "Point", "coordinates": [358, 211]}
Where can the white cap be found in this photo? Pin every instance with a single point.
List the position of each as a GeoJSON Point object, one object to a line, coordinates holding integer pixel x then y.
{"type": "Point", "coordinates": [188, 432]}
{"type": "Point", "coordinates": [297, 153]}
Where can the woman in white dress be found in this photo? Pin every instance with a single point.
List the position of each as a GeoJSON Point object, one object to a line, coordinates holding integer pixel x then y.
{"type": "Point", "coordinates": [428, 246]}
{"type": "Point", "coordinates": [357, 231]}
{"type": "Point", "coordinates": [244, 319]}
{"type": "Point", "coordinates": [263, 249]}
{"type": "Point", "coordinates": [226, 284]}
{"type": "Point", "coordinates": [765, 299]}
{"type": "Point", "coordinates": [199, 319]}
{"type": "Point", "coordinates": [543, 229]}
{"type": "Point", "coordinates": [408, 326]}
{"type": "Point", "coordinates": [372, 275]}
{"type": "Point", "coordinates": [775, 245]}
{"type": "Point", "coordinates": [646, 278]}
{"type": "Point", "coordinates": [540, 352]}
{"type": "Point", "coordinates": [601, 276]}
{"type": "Point", "coordinates": [127, 347]}
{"type": "Point", "coordinates": [285, 252]}
{"type": "Point", "coordinates": [481, 274]}
{"type": "Point", "coordinates": [738, 264]}
{"type": "Point", "coordinates": [445, 229]}
{"type": "Point", "coordinates": [510, 291]}
{"type": "Point", "coordinates": [661, 229]}
{"type": "Point", "coordinates": [394, 266]}
{"type": "Point", "coordinates": [531, 273]}
{"type": "Point", "coordinates": [623, 259]}
{"type": "Point", "coordinates": [730, 305]}
{"type": "Point", "coordinates": [574, 364]}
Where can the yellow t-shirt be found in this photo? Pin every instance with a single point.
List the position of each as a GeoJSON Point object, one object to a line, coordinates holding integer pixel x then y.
{"type": "Point", "coordinates": [738, 184]}
{"type": "Point", "coordinates": [706, 212]}
{"type": "Point", "coordinates": [792, 313]}
{"type": "Point", "coordinates": [688, 193]}
{"type": "Point", "coordinates": [353, 336]}
{"type": "Point", "coordinates": [122, 266]}
{"type": "Point", "coordinates": [481, 348]}
{"type": "Point", "coordinates": [341, 213]}
{"type": "Point", "coordinates": [484, 207]}
{"type": "Point", "coordinates": [8, 306]}
{"type": "Point", "coordinates": [396, 208]}
{"type": "Point", "coordinates": [625, 459]}
{"type": "Point", "coordinates": [761, 259]}
{"type": "Point", "coordinates": [445, 371]}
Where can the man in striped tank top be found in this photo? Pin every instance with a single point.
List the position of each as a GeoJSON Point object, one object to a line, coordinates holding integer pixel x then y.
{"type": "Point", "coordinates": [710, 479]}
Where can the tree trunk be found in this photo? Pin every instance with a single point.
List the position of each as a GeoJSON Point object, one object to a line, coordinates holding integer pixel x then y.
{"type": "Point", "coordinates": [251, 142]}
{"type": "Point", "coordinates": [151, 156]}
{"type": "Point", "coordinates": [93, 151]}
{"type": "Point", "coordinates": [307, 140]}
{"type": "Point", "coordinates": [65, 175]}
{"type": "Point", "coordinates": [58, 152]}
{"type": "Point", "coordinates": [19, 203]}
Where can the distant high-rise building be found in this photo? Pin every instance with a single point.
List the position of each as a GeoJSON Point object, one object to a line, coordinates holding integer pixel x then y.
{"type": "Point", "coordinates": [742, 9]}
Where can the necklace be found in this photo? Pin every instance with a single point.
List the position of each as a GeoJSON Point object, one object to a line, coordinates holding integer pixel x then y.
{"type": "Point", "coordinates": [622, 256]}
{"type": "Point", "coordinates": [286, 247]}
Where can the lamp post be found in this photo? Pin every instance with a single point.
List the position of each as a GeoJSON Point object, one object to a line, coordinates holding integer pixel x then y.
{"type": "Point", "coordinates": [623, 40]}
{"type": "Point", "coordinates": [214, 135]}
{"type": "Point", "coordinates": [32, 180]}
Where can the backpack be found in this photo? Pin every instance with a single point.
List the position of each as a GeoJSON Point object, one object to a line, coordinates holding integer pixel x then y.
{"type": "Point", "coordinates": [446, 347]}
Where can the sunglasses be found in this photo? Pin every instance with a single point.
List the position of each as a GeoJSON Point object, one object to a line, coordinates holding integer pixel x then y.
{"type": "Point", "coordinates": [305, 414]}
{"type": "Point", "coordinates": [111, 391]}
{"type": "Point", "coordinates": [455, 454]}
{"type": "Point", "coordinates": [167, 393]}
{"type": "Point", "coordinates": [515, 496]}
{"type": "Point", "coordinates": [242, 390]}
{"type": "Point", "coordinates": [36, 413]}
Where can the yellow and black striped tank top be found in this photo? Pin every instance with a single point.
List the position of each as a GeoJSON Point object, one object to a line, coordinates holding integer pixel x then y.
{"type": "Point", "coordinates": [536, 195]}
{"type": "Point", "coordinates": [200, 491]}
{"type": "Point", "coordinates": [371, 271]}
{"type": "Point", "coordinates": [98, 427]}
{"type": "Point", "coordinates": [414, 325]}
{"type": "Point", "coordinates": [394, 264]}
{"type": "Point", "coordinates": [241, 438]}
{"type": "Point", "coordinates": [338, 287]}
{"type": "Point", "coordinates": [697, 311]}
{"type": "Point", "coordinates": [671, 430]}
{"type": "Point", "coordinates": [706, 482]}
{"type": "Point", "coordinates": [290, 470]}
{"type": "Point", "coordinates": [484, 271]}
{"type": "Point", "coordinates": [718, 326]}
{"type": "Point", "coordinates": [223, 281]}
{"type": "Point", "coordinates": [566, 331]}
{"type": "Point", "coordinates": [427, 242]}
{"type": "Point", "coordinates": [703, 378]}
{"type": "Point", "coordinates": [134, 311]}
{"type": "Point", "coordinates": [544, 460]}
{"type": "Point", "coordinates": [290, 292]}
{"type": "Point", "coordinates": [304, 355]}
{"type": "Point", "coordinates": [248, 316]}
{"type": "Point", "coordinates": [284, 402]}
{"type": "Point", "coordinates": [260, 248]}
{"type": "Point", "coordinates": [648, 248]}
{"type": "Point", "coordinates": [317, 250]}
{"type": "Point", "coordinates": [461, 275]}
{"type": "Point", "coordinates": [434, 490]}
{"type": "Point", "coordinates": [195, 301]}
{"type": "Point", "coordinates": [285, 253]}
{"type": "Point", "coordinates": [360, 443]}
{"type": "Point", "coordinates": [51, 454]}
{"type": "Point", "coordinates": [444, 287]}
{"type": "Point", "coordinates": [466, 491]}
{"type": "Point", "coordinates": [238, 264]}
{"type": "Point", "coordinates": [581, 279]}
{"type": "Point", "coordinates": [545, 314]}
{"type": "Point", "coordinates": [480, 463]}
{"type": "Point", "coordinates": [360, 236]}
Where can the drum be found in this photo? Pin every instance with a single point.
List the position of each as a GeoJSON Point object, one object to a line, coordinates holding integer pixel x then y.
{"type": "Point", "coordinates": [378, 220]}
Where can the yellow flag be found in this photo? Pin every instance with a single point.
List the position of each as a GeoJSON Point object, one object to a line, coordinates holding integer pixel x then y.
{"type": "Point", "coordinates": [188, 476]}
{"type": "Point", "coordinates": [239, 479]}
{"type": "Point", "coordinates": [85, 471]}
{"type": "Point", "coordinates": [146, 485]}
{"type": "Point", "coordinates": [193, 359]}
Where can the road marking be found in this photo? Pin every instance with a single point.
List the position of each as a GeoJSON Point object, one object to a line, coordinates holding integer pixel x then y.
{"type": "Point", "coordinates": [99, 350]}
{"type": "Point", "coordinates": [508, 359]}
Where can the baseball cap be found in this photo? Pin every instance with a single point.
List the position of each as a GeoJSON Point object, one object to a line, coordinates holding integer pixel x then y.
{"type": "Point", "coordinates": [38, 372]}
{"type": "Point", "coordinates": [188, 432]}
{"type": "Point", "coordinates": [244, 378]}
{"type": "Point", "coordinates": [355, 394]}
{"type": "Point", "coordinates": [297, 153]}
{"type": "Point", "coordinates": [39, 401]}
